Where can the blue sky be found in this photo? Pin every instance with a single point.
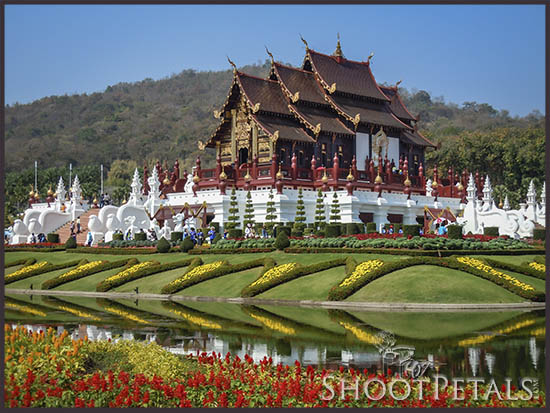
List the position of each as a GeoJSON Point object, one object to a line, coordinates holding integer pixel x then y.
{"type": "Point", "coordinates": [488, 54]}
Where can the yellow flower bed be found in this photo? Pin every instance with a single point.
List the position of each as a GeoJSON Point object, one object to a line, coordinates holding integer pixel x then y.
{"type": "Point", "coordinates": [25, 309]}
{"type": "Point", "coordinates": [129, 271]}
{"type": "Point", "coordinates": [200, 321]}
{"type": "Point", "coordinates": [274, 325]}
{"type": "Point", "coordinates": [274, 273]}
{"type": "Point", "coordinates": [360, 271]}
{"type": "Point", "coordinates": [25, 270]}
{"type": "Point", "coordinates": [78, 312]}
{"type": "Point", "coordinates": [82, 268]}
{"type": "Point", "coordinates": [472, 262]}
{"type": "Point", "coordinates": [126, 315]}
{"type": "Point", "coordinates": [486, 337]}
{"type": "Point", "coordinates": [197, 271]}
{"type": "Point", "coordinates": [537, 266]}
{"type": "Point", "coordinates": [360, 334]}
{"type": "Point", "coordinates": [539, 332]}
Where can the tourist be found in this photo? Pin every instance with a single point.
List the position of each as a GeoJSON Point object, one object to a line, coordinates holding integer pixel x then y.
{"type": "Point", "coordinates": [185, 233]}
{"type": "Point", "coordinates": [225, 234]}
{"type": "Point", "coordinates": [400, 230]}
{"type": "Point", "coordinates": [72, 228]}
{"type": "Point", "coordinates": [264, 231]}
{"type": "Point", "coordinates": [193, 235]}
{"type": "Point", "coordinates": [248, 231]}
{"type": "Point", "coordinates": [200, 237]}
{"type": "Point", "coordinates": [33, 238]}
{"type": "Point", "coordinates": [78, 225]}
{"type": "Point", "coordinates": [41, 237]}
{"type": "Point", "coordinates": [390, 230]}
{"type": "Point", "coordinates": [384, 230]}
{"type": "Point", "coordinates": [63, 207]}
{"type": "Point", "coordinates": [89, 239]}
{"type": "Point", "coordinates": [211, 235]}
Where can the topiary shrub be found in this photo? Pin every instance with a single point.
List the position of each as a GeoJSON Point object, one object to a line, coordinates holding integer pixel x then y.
{"type": "Point", "coordinates": [320, 233]}
{"type": "Point", "coordinates": [53, 238]}
{"type": "Point", "coordinates": [283, 228]}
{"type": "Point", "coordinates": [282, 241]}
{"type": "Point", "coordinates": [176, 236]}
{"type": "Point", "coordinates": [163, 245]}
{"type": "Point", "coordinates": [235, 233]}
{"type": "Point", "coordinates": [187, 244]}
{"type": "Point", "coordinates": [490, 231]}
{"type": "Point", "coordinates": [140, 236]}
{"type": "Point", "coordinates": [352, 228]}
{"type": "Point", "coordinates": [118, 237]}
{"type": "Point", "coordinates": [216, 238]}
{"type": "Point", "coordinates": [412, 230]}
{"type": "Point", "coordinates": [332, 230]}
{"type": "Point", "coordinates": [371, 227]}
{"type": "Point", "coordinates": [70, 243]}
{"type": "Point", "coordinates": [296, 233]}
{"type": "Point", "coordinates": [539, 234]}
{"type": "Point", "coordinates": [454, 231]}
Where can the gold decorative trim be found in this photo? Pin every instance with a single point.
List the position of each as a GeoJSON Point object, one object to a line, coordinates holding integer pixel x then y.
{"type": "Point", "coordinates": [356, 119]}
{"type": "Point", "coordinates": [295, 97]}
{"type": "Point", "coordinates": [317, 129]}
{"type": "Point", "coordinates": [275, 136]}
{"type": "Point", "coordinates": [332, 88]}
{"type": "Point", "coordinates": [201, 145]}
{"type": "Point", "coordinates": [256, 107]}
{"type": "Point", "coordinates": [217, 114]}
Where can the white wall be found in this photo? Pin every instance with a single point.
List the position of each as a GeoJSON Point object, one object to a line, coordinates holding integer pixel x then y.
{"type": "Point", "coordinates": [393, 150]}
{"type": "Point", "coordinates": [362, 149]}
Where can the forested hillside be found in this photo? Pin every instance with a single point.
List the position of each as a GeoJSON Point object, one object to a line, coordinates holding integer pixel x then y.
{"type": "Point", "coordinates": [164, 119]}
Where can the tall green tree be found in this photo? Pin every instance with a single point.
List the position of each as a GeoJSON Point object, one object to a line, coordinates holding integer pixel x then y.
{"type": "Point", "coordinates": [248, 211]}
{"type": "Point", "coordinates": [335, 210]}
{"type": "Point", "coordinates": [300, 218]}
{"type": "Point", "coordinates": [270, 212]}
{"type": "Point", "coordinates": [320, 213]}
{"type": "Point", "coordinates": [233, 219]}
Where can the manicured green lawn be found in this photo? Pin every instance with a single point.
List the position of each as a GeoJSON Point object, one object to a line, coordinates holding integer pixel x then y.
{"type": "Point", "coordinates": [310, 287]}
{"type": "Point", "coordinates": [316, 317]}
{"type": "Point", "coordinates": [441, 324]}
{"type": "Point", "coordinates": [37, 280]}
{"type": "Point", "coordinates": [153, 283]}
{"type": "Point", "coordinates": [536, 283]}
{"type": "Point", "coordinates": [432, 284]}
{"type": "Point", "coordinates": [229, 285]}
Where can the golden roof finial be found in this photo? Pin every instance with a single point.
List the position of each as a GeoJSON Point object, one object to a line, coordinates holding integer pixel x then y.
{"type": "Point", "coordinates": [324, 179]}
{"type": "Point", "coordinates": [269, 54]}
{"type": "Point", "coordinates": [247, 177]}
{"type": "Point", "coordinates": [232, 64]}
{"type": "Point", "coordinates": [378, 179]}
{"type": "Point", "coordinates": [338, 51]}
{"type": "Point", "coordinates": [350, 176]}
{"type": "Point", "coordinates": [303, 40]}
{"type": "Point", "coordinates": [370, 57]}
{"type": "Point", "coordinates": [31, 194]}
{"type": "Point", "coordinates": [398, 83]}
{"type": "Point", "coordinates": [279, 175]}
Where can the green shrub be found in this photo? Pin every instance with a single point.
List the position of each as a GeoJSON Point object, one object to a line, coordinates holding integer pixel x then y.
{"type": "Point", "coordinates": [283, 228]}
{"type": "Point", "coordinates": [118, 237]}
{"type": "Point", "coordinates": [111, 282]}
{"type": "Point", "coordinates": [21, 275]}
{"type": "Point", "coordinates": [24, 262]}
{"type": "Point", "coordinates": [454, 231]}
{"type": "Point", "coordinates": [352, 228]}
{"type": "Point", "coordinates": [70, 243]}
{"type": "Point", "coordinates": [282, 241]}
{"type": "Point", "coordinates": [53, 238]}
{"type": "Point", "coordinates": [176, 236]}
{"type": "Point", "coordinates": [140, 236]}
{"type": "Point", "coordinates": [113, 251]}
{"type": "Point", "coordinates": [76, 274]}
{"type": "Point", "coordinates": [490, 231]}
{"type": "Point", "coordinates": [320, 233]}
{"type": "Point", "coordinates": [332, 230]}
{"type": "Point", "coordinates": [371, 227]}
{"type": "Point", "coordinates": [413, 230]}
{"type": "Point", "coordinates": [350, 265]}
{"type": "Point", "coordinates": [163, 246]}
{"type": "Point", "coordinates": [520, 269]}
{"type": "Point", "coordinates": [296, 233]}
{"type": "Point", "coordinates": [539, 234]}
{"type": "Point", "coordinates": [187, 244]}
{"type": "Point", "coordinates": [216, 238]}
{"type": "Point", "coordinates": [235, 233]}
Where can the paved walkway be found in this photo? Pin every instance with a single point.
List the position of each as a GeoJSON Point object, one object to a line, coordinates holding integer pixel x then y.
{"type": "Point", "coordinates": [344, 305]}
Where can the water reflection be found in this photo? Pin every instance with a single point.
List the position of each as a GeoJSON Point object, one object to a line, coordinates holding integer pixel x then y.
{"type": "Point", "coordinates": [496, 344]}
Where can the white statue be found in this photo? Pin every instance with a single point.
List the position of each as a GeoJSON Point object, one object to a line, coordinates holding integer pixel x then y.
{"type": "Point", "coordinates": [165, 231]}
{"type": "Point", "coordinates": [132, 229]}
{"type": "Point", "coordinates": [135, 194]}
{"type": "Point", "coordinates": [188, 188]}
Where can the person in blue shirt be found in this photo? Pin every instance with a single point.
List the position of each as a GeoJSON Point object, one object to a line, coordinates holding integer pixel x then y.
{"type": "Point", "coordinates": [200, 236]}
{"type": "Point", "coordinates": [211, 234]}
{"type": "Point", "coordinates": [193, 235]}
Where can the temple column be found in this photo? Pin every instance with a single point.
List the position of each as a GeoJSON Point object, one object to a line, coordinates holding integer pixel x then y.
{"type": "Point", "coordinates": [233, 134]}
{"type": "Point", "coordinates": [254, 141]}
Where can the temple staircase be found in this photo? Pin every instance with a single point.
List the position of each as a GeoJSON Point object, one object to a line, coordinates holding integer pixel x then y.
{"type": "Point", "coordinates": [65, 231]}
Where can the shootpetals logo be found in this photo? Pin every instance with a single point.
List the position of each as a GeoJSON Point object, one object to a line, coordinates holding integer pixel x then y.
{"type": "Point", "coordinates": [408, 378]}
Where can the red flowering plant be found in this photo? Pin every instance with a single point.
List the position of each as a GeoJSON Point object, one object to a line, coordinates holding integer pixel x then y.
{"type": "Point", "coordinates": [212, 380]}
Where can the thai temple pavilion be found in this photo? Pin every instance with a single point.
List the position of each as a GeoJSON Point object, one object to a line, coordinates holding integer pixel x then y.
{"type": "Point", "coordinates": [328, 113]}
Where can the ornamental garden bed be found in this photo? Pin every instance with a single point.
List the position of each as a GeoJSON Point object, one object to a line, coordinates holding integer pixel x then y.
{"type": "Point", "coordinates": [113, 251]}
{"type": "Point", "coordinates": [38, 268]}
{"type": "Point", "coordinates": [411, 252]}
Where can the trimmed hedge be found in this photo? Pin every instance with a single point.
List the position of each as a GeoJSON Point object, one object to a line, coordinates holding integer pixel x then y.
{"type": "Point", "coordinates": [9, 278]}
{"type": "Point", "coordinates": [415, 252]}
{"type": "Point", "coordinates": [235, 233]}
{"type": "Point", "coordinates": [140, 236]}
{"type": "Point", "coordinates": [371, 227]}
{"type": "Point", "coordinates": [24, 262]}
{"type": "Point", "coordinates": [454, 231]}
{"type": "Point", "coordinates": [225, 269]}
{"type": "Point", "coordinates": [412, 230]}
{"type": "Point", "coordinates": [490, 231]}
{"type": "Point", "coordinates": [113, 251]}
{"type": "Point", "coordinates": [70, 243]}
{"type": "Point", "coordinates": [203, 251]}
{"type": "Point", "coordinates": [104, 266]}
{"type": "Point", "coordinates": [187, 244]}
{"type": "Point", "coordinates": [350, 265]}
{"type": "Point", "coordinates": [163, 246]}
{"type": "Point", "coordinates": [282, 240]}
{"type": "Point", "coordinates": [539, 234]}
{"type": "Point", "coordinates": [540, 260]}
{"type": "Point", "coordinates": [34, 249]}
{"type": "Point", "coordinates": [332, 230]}
{"type": "Point", "coordinates": [118, 237]}
{"type": "Point", "coordinates": [339, 293]}
{"type": "Point", "coordinates": [176, 236]}
{"type": "Point", "coordinates": [283, 228]}
{"type": "Point", "coordinates": [297, 272]}
{"type": "Point", "coordinates": [53, 238]}
{"type": "Point", "coordinates": [520, 269]}
{"type": "Point", "coordinates": [106, 285]}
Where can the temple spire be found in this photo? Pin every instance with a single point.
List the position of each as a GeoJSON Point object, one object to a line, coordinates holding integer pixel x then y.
{"type": "Point", "coordinates": [338, 51]}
